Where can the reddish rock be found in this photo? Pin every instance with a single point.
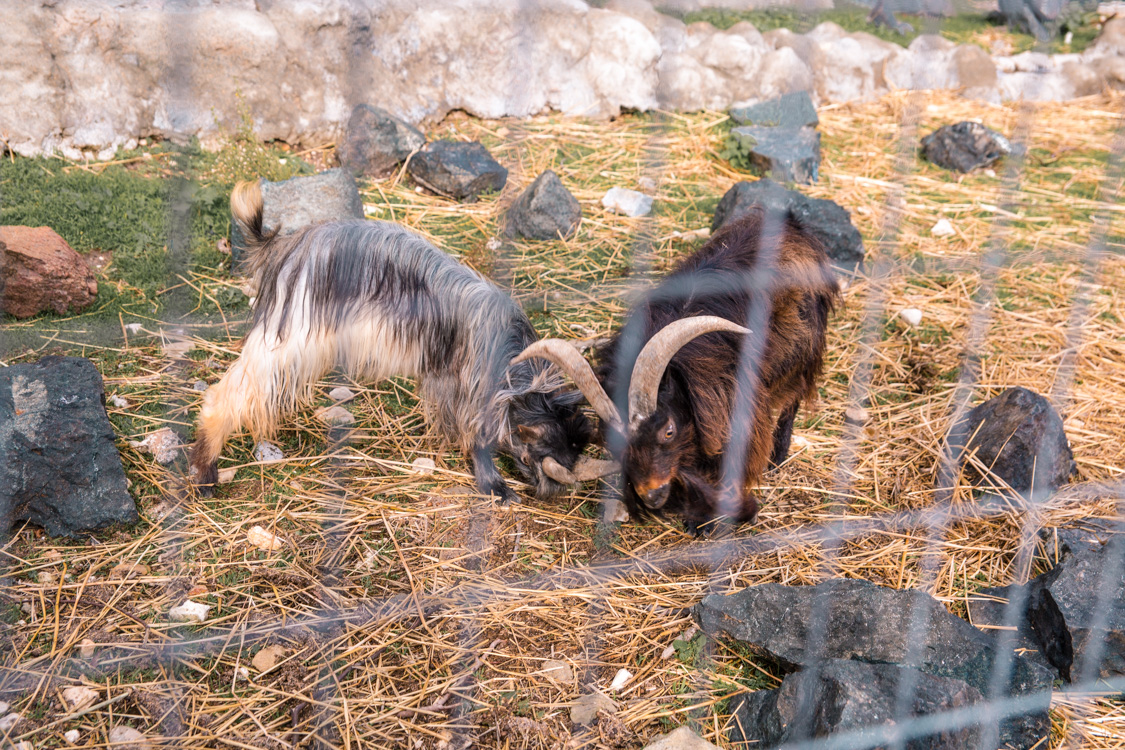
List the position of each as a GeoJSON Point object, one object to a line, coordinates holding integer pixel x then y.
{"type": "Point", "coordinates": [39, 271]}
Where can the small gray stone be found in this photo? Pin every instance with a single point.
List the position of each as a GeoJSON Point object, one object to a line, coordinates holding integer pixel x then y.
{"type": "Point", "coordinates": [840, 695]}
{"type": "Point", "coordinates": [827, 221]}
{"type": "Point", "coordinates": [965, 146]}
{"type": "Point", "coordinates": [457, 169]}
{"type": "Point", "coordinates": [627, 202]}
{"type": "Point", "coordinates": [199, 385]}
{"type": "Point", "coordinates": [302, 201]}
{"type": "Point", "coordinates": [584, 711]}
{"type": "Point", "coordinates": [794, 110]}
{"type": "Point", "coordinates": [59, 466]}
{"type": "Point", "coordinates": [1020, 437]}
{"type": "Point", "coordinates": [336, 416]}
{"type": "Point", "coordinates": [340, 394]}
{"type": "Point", "coordinates": [267, 452]}
{"type": "Point", "coordinates": [545, 210]}
{"type": "Point", "coordinates": [783, 154]}
{"type": "Point", "coordinates": [558, 671]}
{"type": "Point", "coordinates": [682, 738]}
{"type": "Point", "coordinates": [376, 141]}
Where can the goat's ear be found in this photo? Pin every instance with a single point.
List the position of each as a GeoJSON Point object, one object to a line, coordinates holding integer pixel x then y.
{"type": "Point", "coordinates": [529, 433]}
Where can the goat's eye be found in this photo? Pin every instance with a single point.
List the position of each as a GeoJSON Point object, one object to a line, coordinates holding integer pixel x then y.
{"type": "Point", "coordinates": [669, 432]}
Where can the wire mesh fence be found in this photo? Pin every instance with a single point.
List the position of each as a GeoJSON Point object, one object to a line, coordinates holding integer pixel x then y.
{"type": "Point", "coordinates": [398, 606]}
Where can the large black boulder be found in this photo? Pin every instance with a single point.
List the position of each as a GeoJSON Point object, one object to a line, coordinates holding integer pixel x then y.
{"type": "Point", "coordinates": [796, 626]}
{"type": "Point", "coordinates": [1073, 615]}
{"type": "Point", "coordinates": [1020, 438]}
{"type": "Point", "coordinates": [793, 110]}
{"type": "Point", "coordinates": [783, 154]}
{"type": "Point", "coordinates": [839, 695]}
{"type": "Point", "coordinates": [299, 202]}
{"type": "Point", "coordinates": [545, 210]}
{"type": "Point", "coordinates": [376, 141]}
{"type": "Point", "coordinates": [457, 169]}
{"type": "Point", "coordinates": [965, 146]}
{"type": "Point", "coordinates": [59, 467]}
{"type": "Point", "coordinates": [827, 221]}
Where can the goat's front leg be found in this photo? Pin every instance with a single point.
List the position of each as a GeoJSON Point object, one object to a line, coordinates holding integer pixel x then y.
{"type": "Point", "coordinates": [703, 502]}
{"type": "Point", "coordinates": [488, 478]}
{"type": "Point", "coordinates": [700, 503]}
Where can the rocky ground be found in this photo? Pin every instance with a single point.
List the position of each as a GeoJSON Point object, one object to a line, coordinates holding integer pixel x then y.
{"type": "Point", "coordinates": [347, 589]}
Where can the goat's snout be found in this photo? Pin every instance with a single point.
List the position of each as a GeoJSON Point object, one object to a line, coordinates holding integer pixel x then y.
{"type": "Point", "coordinates": [656, 496]}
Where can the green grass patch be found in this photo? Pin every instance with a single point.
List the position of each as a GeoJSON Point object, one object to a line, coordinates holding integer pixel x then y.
{"type": "Point", "coordinates": [964, 28]}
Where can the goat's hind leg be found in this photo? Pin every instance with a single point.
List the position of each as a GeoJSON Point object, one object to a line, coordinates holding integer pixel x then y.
{"type": "Point", "coordinates": [249, 395]}
{"type": "Point", "coordinates": [783, 435]}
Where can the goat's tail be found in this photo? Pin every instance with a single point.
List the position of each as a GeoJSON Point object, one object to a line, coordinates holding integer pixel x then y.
{"type": "Point", "coordinates": [246, 209]}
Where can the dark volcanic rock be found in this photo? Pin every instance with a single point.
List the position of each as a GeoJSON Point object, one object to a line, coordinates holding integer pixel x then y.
{"type": "Point", "coordinates": [793, 110]}
{"type": "Point", "coordinates": [993, 611]}
{"type": "Point", "coordinates": [1073, 615]}
{"type": "Point", "coordinates": [299, 202]}
{"type": "Point", "coordinates": [40, 271]}
{"type": "Point", "coordinates": [376, 141]}
{"type": "Point", "coordinates": [1089, 537]}
{"type": "Point", "coordinates": [827, 221]}
{"type": "Point", "coordinates": [841, 695]}
{"type": "Point", "coordinates": [545, 210]}
{"type": "Point", "coordinates": [881, 15]}
{"type": "Point", "coordinates": [783, 154]}
{"type": "Point", "coordinates": [965, 146]}
{"type": "Point", "coordinates": [859, 620]}
{"type": "Point", "coordinates": [1036, 17]}
{"type": "Point", "coordinates": [59, 467]}
{"type": "Point", "coordinates": [1020, 438]}
{"type": "Point", "coordinates": [458, 170]}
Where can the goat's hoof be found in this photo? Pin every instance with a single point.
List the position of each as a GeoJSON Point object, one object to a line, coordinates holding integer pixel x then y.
{"type": "Point", "coordinates": [712, 528]}
{"type": "Point", "coordinates": [204, 480]}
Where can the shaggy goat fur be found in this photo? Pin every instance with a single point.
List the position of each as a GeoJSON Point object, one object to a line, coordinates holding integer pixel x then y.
{"type": "Point", "coordinates": [376, 300]}
{"type": "Point", "coordinates": [674, 458]}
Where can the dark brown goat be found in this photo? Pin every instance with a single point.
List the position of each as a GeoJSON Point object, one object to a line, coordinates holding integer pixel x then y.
{"type": "Point", "coordinates": [683, 349]}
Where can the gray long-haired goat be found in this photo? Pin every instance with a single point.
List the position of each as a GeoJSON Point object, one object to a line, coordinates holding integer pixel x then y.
{"type": "Point", "coordinates": [376, 300]}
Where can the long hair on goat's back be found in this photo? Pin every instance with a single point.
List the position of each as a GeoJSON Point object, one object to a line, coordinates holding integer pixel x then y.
{"type": "Point", "coordinates": [247, 207]}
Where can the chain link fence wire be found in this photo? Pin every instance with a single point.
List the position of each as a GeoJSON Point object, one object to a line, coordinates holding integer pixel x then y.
{"type": "Point", "coordinates": [323, 720]}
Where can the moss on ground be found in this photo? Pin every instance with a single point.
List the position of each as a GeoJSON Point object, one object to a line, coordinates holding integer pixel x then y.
{"type": "Point", "coordinates": [151, 223]}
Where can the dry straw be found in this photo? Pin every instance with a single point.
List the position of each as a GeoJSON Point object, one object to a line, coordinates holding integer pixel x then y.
{"type": "Point", "coordinates": [412, 613]}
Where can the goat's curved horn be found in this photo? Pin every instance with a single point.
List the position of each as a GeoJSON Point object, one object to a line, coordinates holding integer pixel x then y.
{"type": "Point", "coordinates": [585, 469]}
{"type": "Point", "coordinates": [653, 360]}
{"type": "Point", "coordinates": [594, 468]}
{"type": "Point", "coordinates": [571, 361]}
{"type": "Point", "coordinates": [558, 472]}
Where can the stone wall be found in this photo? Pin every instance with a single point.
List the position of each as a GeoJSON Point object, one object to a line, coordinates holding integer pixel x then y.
{"type": "Point", "coordinates": [84, 77]}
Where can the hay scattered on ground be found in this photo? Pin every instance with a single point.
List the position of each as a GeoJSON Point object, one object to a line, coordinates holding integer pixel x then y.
{"type": "Point", "coordinates": [412, 613]}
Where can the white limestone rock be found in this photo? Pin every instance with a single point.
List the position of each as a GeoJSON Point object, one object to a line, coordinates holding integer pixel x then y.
{"type": "Point", "coordinates": [627, 202]}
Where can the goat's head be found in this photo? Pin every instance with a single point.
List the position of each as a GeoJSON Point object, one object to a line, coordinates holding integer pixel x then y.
{"type": "Point", "coordinates": [659, 430]}
{"type": "Point", "coordinates": [548, 435]}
